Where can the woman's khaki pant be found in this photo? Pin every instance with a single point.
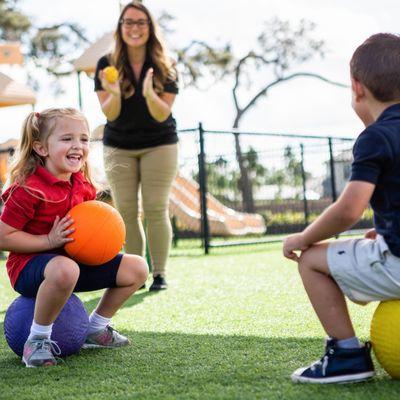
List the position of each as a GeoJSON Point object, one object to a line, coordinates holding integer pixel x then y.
{"type": "Point", "coordinates": [150, 171]}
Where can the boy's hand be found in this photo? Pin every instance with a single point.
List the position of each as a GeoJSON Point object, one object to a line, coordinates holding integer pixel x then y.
{"type": "Point", "coordinates": [57, 237]}
{"type": "Point", "coordinates": [371, 234]}
{"type": "Point", "coordinates": [294, 243]}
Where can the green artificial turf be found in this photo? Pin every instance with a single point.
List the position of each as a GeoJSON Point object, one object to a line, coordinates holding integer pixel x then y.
{"type": "Point", "coordinates": [232, 325]}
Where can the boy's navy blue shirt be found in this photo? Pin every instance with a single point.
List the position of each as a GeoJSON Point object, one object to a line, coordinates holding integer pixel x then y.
{"type": "Point", "coordinates": [377, 160]}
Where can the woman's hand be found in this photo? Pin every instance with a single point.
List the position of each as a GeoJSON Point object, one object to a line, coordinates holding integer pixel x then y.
{"type": "Point", "coordinates": [293, 243]}
{"type": "Point", "coordinates": [148, 89]}
{"type": "Point", "coordinates": [112, 88]}
{"type": "Point", "coordinates": [58, 235]}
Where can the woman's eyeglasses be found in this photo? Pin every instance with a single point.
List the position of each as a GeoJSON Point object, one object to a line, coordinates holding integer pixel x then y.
{"type": "Point", "coordinates": [130, 23]}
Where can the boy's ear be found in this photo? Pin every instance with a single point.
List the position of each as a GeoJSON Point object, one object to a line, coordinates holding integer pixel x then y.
{"type": "Point", "coordinates": [358, 89]}
{"type": "Point", "coordinates": [40, 149]}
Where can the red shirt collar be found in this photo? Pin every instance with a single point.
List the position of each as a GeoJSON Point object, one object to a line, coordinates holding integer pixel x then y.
{"type": "Point", "coordinates": [49, 178]}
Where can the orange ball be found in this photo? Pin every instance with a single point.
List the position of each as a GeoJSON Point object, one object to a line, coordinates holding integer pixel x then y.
{"type": "Point", "coordinates": [99, 233]}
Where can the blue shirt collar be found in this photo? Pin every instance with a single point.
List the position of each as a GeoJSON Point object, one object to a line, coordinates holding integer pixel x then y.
{"type": "Point", "coordinates": [390, 112]}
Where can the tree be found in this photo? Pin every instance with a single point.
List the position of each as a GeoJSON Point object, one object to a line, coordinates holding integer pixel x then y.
{"type": "Point", "coordinates": [223, 180]}
{"type": "Point", "coordinates": [278, 50]}
{"type": "Point", "coordinates": [51, 48]}
{"type": "Point", "coordinates": [293, 168]}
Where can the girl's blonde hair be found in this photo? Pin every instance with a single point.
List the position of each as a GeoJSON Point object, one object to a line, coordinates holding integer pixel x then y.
{"type": "Point", "coordinates": [164, 68]}
{"type": "Point", "coordinates": [37, 127]}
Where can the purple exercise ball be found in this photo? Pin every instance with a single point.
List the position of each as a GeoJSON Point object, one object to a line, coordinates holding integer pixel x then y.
{"type": "Point", "coordinates": [69, 329]}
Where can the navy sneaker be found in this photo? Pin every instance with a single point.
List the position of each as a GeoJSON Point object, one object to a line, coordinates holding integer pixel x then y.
{"type": "Point", "coordinates": [338, 365]}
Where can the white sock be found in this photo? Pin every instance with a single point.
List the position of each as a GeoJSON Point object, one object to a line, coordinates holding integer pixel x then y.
{"type": "Point", "coordinates": [43, 331]}
{"type": "Point", "coordinates": [97, 322]}
{"type": "Point", "coordinates": [349, 343]}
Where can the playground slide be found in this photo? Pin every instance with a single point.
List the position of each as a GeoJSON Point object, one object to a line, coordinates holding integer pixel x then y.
{"type": "Point", "coordinates": [185, 206]}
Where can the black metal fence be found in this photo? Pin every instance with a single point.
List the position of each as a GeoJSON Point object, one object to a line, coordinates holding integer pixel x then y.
{"type": "Point", "coordinates": [290, 180]}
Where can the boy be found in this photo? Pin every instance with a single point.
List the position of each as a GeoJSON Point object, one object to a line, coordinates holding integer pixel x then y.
{"type": "Point", "coordinates": [362, 269]}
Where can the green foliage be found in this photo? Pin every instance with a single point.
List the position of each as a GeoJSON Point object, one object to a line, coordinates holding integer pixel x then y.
{"type": "Point", "coordinates": [285, 218]}
{"type": "Point", "coordinates": [200, 61]}
{"type": "Point", "coordinates": [52, 48]}
{"type": "Point", "coordinates": [296, 217]}
{"type": "Point", "coordinates": [223, 177]}
{"type": "Point", "coordinates": [13, 23]}
{"type": "Point", "coordinates": [293, 167]}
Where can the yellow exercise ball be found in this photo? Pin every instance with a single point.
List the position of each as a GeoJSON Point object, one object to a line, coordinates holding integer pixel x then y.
{"type": "Point", "coordinates": [385, 336]}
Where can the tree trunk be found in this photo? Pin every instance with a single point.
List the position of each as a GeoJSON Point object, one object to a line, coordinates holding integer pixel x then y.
{"type": "Point", "coordinates": [244, 183]}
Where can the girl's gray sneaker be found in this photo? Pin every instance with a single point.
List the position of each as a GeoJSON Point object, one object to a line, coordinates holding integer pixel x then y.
{"type": "Point", "coordinates": [38, 352]}
{"type": "Point", "coordinates": [107, 337]}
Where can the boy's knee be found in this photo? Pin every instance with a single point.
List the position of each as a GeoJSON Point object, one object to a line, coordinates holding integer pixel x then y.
{"type": "Point", "coordinates": [305, 262]}
{"type": "Point", "coordinates": [314, 259]}
{"type": "Point", "coordinates": [63, 272]}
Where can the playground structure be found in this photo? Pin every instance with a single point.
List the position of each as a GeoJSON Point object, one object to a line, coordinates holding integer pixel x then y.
{"type": "Point", "coordinates": [223, 221]}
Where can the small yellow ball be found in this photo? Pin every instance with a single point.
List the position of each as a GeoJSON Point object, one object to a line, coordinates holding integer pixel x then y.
{"type": "Point", "coordinates": [385, 336]}
{"type": "Point", "coordinates": [111, 74]}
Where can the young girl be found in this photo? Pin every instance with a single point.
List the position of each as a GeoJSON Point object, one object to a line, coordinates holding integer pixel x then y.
{"type": "Point", "coordinates": [50, 176]}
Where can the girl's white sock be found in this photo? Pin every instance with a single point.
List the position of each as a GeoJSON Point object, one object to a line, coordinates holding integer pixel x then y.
{"type": "Point", "coordinates": [97, 322]}
{"type": "Point", "coordinates": [43, 331]}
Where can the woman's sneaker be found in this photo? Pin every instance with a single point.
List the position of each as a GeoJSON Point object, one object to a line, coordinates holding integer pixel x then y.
{"type": "Point", "coordinates": [338, 365]}
{"type": "Point", "coordinates": [38, 352]}
{"type": "Point", "coordinates": [107, 337]}
{"type": "Point", "coordinates": [159, 283]}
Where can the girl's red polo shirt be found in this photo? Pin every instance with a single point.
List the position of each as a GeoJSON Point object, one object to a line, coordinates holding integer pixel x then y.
{"type": "Point", "coordinates": [32, 208]}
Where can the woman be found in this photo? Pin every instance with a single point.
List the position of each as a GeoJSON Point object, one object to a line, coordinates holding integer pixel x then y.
{"type": "Point", "coordinates": [140, 139]}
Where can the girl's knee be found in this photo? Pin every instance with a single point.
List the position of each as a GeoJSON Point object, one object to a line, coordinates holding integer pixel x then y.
{"type": "Point", "coordinates": [133, 270]}
{"type": "Point", "coordinates": [63, 272]}
{"type": "Point", "coordinates": [142, 270]}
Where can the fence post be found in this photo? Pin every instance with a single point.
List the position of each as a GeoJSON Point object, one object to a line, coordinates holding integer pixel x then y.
{"type": "Point", "coordinates": [332, 169]}
{"type": "Point", "coordinates": [303, 179]}
{"type": "Point", "coordinates": [79, 91]}
{"type": "Point", "coordinates": [203, 192]}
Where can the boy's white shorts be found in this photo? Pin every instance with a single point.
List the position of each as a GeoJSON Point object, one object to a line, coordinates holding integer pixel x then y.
{"type": "Point", "coordinates": [364, 269]}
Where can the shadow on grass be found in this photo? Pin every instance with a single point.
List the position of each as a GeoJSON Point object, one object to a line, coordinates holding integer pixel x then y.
{"type": "Point", "coordinates": [137, 298]}
{"type": "Point", "coordinates": [185, 366]}
{"type": "Point", "coordinates": [91, 304]}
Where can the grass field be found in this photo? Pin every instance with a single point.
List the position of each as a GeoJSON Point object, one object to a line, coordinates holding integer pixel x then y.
{"type": "Point", "coordinates": [233, 325]}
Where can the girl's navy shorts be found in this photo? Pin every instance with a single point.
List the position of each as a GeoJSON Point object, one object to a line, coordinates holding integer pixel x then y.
{"type": "Point", "coordinates": [90, 278]}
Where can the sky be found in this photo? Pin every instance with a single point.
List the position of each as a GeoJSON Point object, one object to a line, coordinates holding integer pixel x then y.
{"type": "Point", "coordinates": [303, 105]}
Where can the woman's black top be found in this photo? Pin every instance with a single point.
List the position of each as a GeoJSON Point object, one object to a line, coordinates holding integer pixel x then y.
{"type": "Point", "coordinates": [135, 128]}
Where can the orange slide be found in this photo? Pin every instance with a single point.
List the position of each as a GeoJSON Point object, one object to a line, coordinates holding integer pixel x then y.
{"type": "Point", "coordinates": [185, 206]}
